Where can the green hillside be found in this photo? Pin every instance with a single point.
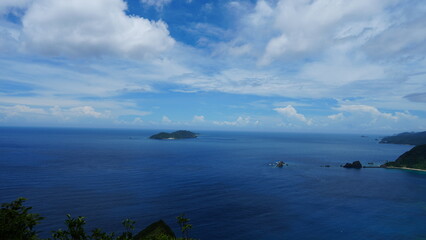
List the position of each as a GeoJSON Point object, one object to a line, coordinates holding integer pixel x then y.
{"type": "Point", "coordinates": [415, 158]}
{"type": "Point", "coordinates": [410, 138]}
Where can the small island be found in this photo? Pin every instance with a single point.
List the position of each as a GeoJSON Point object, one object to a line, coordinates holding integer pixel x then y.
{"type": "Point", "coordinates": [181, 134]}
{"type": "Point", "coordinates": [409, 138]}
{"type": "Point", "coordinates": [356, 165]}
{"type": "Point", "coordinates": [415, 159]}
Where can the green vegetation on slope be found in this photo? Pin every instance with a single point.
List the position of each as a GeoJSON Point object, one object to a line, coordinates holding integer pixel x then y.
{"type": "Point", "coordinates": [415, 158]}
{"type": "Point", "coordinates": [181, 134]}
{"type": "Point", "coordinates": [156, 229]}
{"type": "Point", "coordinates": [16, 223]}
{"type": "Point", "coordinates": [410, 138]}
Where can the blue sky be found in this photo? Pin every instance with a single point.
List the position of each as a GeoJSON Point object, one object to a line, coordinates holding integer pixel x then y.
{"type": "Point", "coordinates": [278, 65]}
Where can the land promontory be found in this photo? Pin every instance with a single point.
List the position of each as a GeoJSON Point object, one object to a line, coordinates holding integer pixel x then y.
{"type": "Point", "coordinates": [410, 138]}
{"type": "Point", "coordinates": [413, 159]}
{"type": "Point", "coordinates": [181, 134]}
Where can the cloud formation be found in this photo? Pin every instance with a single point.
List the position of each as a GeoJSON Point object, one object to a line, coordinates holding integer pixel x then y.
{"type": "Point", "coordinates": [299, 29]}
{"type": "Point", "coordinates": [198, 119]}
{"type": "Point", "coordinates": [166, 120]}
{"type": "Point", "coordinates": [291, 113]}
{"type": "Point", "coordinates": [95, 28]}
{"type": "Point", "coordinates": [373, 112]}
{"type": "Point", "coordinates": [240, 121]}
{"type": "Point", "coordinates": [348, 63]}
{"type": "Point", "coordinates": [10, 111]}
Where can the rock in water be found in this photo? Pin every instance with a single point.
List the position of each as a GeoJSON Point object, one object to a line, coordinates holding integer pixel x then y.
{"type": "Point", "coordinates": [158, 230]}
{"type": "Point", "coordinates": [356, 164]}
{"type": "Point", "coordinates": [280, 164]}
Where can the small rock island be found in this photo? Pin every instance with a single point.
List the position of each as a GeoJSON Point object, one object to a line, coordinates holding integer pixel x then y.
{"type": "Point", "coordinates": [413, 159]}
{"type": "Point", "coordinates": [356, 164]}
{"type": "Point", "coordinates": [280, 164]}
{"type": "Point", "coordinates": [181, 134]}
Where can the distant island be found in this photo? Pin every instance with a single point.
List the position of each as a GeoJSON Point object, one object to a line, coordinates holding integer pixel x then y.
{"type": "Point", "coordinates": [356, 164]}
{"type": "Point", "coordinates": [414, 159]}
{"type": "Point", "coordinates": [181, 134]}
{"type": "Point", "coordinates": [410, 138]}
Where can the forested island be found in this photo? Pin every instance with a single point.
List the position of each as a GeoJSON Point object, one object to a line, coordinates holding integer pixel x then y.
{"type": "Point", "coordinates": [413, 159]}
{"type": "Point", "coordinates": [410, 138]}
{"type": "Point", "coordinates": [181, 134]}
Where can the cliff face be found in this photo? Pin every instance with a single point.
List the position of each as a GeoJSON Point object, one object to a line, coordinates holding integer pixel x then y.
{"type": "Point", "coordinates": [415, 158]}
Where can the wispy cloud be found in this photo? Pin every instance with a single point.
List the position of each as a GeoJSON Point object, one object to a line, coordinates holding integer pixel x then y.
{"type": "Point", "coordinates": [158, 4]}
{"type": "Point", "coordinates": [240, 121]}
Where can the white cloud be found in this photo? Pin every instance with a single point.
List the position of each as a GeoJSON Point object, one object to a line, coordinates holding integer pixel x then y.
{"type": "Point", "coordinates": [338, 116]}
{"type": "Point", "coordinates": [307, 50]}
{"type": "Point", "coordinates": [240, 121]}
{"type": "Point", "coordinates": [137, 120]}
{"type": "Point", "coordinates": [337, 70]}
{"type": "Point", "coordinates": [365, 109]}
{"type": "Point", "coordinates": [404, 40]}
{"type": "Point", "coordinates": [87, 111]}
{"type": "Point", "coordinates": [85, 115]}
{"type": "Point", "coordinates": [158, 4]}
{"type": "Point", "coordinates": [52, 113]}
{"type": "Point", "coordinates": [374, 112]}
{"type": "Point", "coordinates": [21, 109]}
{"type": "Point", "coordinates": [165, 119]}
{"type": "Point", "coordinates": [77, 112]}
{"type": "Point", "coordinates": [291, 113]}
{"type": "Point", "coordinates": [366, 118]}
{"type": "Point", "coordinates": [91, 28]}
{"type": "Point", "coordinates": [198, 119]}
{"type": "Point", "coordinates": [306, 27]}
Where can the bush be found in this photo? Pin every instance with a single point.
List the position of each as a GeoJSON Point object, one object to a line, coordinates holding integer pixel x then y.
{"type": "Point", "coordinates": [16, 222]}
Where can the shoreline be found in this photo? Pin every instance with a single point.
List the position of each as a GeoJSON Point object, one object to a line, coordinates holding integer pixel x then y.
{"type": "Point", "coordinates": [406, 168]}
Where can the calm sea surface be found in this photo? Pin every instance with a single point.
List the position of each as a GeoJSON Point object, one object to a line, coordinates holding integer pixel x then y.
{"type": "Point", "coordinates": [222, 181]}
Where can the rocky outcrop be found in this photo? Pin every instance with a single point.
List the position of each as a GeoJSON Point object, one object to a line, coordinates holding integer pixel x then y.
{"type": "Point", "coordinates": [356, 164]}
{"type": "Point", "coordinates": [280, 164]}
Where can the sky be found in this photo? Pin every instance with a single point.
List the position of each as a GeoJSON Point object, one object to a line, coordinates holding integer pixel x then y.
{"type": "Point", "coordinates": [340, 66]}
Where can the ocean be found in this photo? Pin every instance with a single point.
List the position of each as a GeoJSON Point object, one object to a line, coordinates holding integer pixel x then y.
{"type": "Point", "coordinates": [223, 181]}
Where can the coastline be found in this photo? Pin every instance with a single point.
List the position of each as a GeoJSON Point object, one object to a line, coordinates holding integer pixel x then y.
{"type": "Point", "coordinates": [406, 168]}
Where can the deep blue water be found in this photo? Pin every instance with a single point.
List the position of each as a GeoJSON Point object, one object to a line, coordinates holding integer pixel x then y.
{"type": "Point", "coordinates": [222, 181]}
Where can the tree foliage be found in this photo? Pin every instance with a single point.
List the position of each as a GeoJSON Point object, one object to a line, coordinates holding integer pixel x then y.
{"type": "Point", "coordinates": [184, 225]}
{"type": "Point", "coordinates": [17, 223]}
{"type": "Point", "coordinates": [75, 231]}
